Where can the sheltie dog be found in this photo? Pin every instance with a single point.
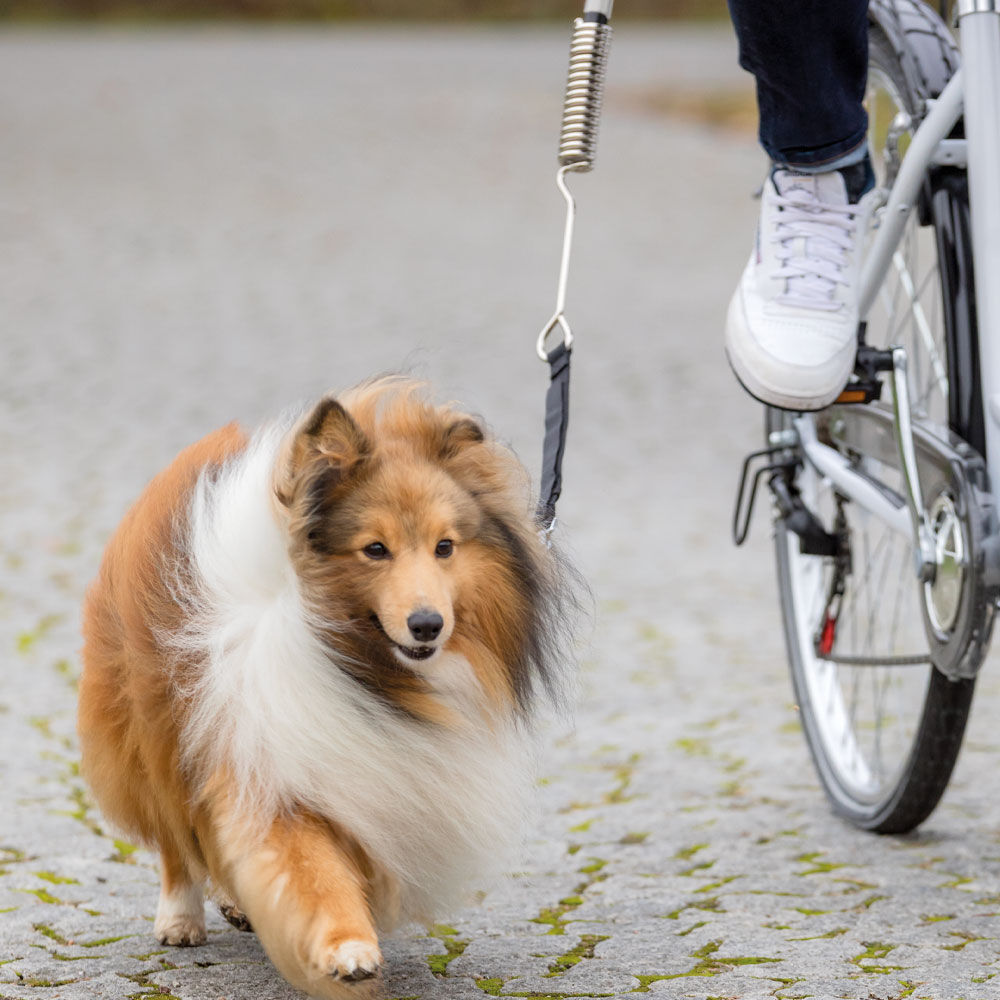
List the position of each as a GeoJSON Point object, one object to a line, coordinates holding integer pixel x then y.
{"type": "Point", "coordinates": [310, 663]}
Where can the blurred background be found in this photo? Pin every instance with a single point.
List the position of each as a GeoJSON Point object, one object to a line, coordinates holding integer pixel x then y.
{"type": "Point", "coordinates": [216, 210]}
{"type": "Point", "coordinates": [308, 10]}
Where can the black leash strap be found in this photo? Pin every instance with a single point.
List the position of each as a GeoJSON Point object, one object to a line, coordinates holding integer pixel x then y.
{"type": "Point", "coordinates": [556, 425]}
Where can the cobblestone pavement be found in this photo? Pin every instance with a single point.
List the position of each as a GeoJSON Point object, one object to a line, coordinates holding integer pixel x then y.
{"type": "Point", "coordinates": [202, 224]}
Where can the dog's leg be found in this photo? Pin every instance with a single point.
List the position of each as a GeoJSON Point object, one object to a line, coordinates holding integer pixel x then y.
{"type": "Point", "coordinates": [235, 915]}
{"type": "Point", "coordinates": [304, 892]}
{"type": "Point", "coordinates": [180, 915]}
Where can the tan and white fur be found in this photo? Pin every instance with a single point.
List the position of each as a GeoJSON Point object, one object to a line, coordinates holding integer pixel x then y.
{"type": "Point", "coordinates": [310, 664]}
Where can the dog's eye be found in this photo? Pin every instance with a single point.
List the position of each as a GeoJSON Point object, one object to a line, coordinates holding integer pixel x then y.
{"type": "Point", "coordinates": [376, 550]}
{"type": "Point", "coordinates": [444, 548]}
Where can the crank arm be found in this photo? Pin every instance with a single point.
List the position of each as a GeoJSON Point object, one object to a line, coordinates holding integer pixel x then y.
{"type": "Point", "coordinates": [873, 496]}
{"type": "Point", "coordinates": [923, 536]}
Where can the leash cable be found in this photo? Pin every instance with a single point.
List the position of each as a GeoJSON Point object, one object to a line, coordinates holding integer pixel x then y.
{"type": "Point", "coordinates": [588, 56]}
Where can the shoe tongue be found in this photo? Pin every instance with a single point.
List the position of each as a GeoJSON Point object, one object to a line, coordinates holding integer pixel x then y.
{"type": "Point", "coordinates": [827, 187]}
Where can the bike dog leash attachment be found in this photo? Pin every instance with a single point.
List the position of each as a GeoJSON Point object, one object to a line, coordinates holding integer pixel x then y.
{"type": "Point", "coordinates": [588, 56]}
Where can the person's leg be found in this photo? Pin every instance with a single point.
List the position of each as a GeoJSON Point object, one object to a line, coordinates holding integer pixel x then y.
{"type": "Point", "coordinates": [810, 61]}
{"type": "Point", "coordinates": [791, 329]}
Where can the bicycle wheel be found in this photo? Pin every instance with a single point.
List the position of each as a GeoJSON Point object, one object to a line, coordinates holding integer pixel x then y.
{"type": "Point", "coordinates": [883, 726]}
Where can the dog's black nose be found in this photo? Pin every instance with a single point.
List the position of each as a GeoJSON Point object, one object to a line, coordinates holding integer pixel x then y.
{"type": "Point", "coordinates": [425, 626]}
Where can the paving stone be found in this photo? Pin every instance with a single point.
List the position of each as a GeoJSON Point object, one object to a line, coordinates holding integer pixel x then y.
{"type": "Point", "coordinates": [203, 224]}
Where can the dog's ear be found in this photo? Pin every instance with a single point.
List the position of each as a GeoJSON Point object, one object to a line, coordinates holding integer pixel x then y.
{"type": "Point", "coordinates": [329, 442]}
{"type": "Point", "coordinates": [459, 435]}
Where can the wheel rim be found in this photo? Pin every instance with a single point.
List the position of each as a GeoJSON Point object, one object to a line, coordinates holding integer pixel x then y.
{"type": "Point", "coordinates": [864, 695]}
{"type": "Point", "coordinates": [862, 699]}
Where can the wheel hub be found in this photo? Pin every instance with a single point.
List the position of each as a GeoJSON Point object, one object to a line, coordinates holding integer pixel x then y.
{"type": "Point", "coordinates": [943, 596]}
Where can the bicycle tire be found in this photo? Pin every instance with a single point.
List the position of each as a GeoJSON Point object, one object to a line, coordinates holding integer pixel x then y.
{"type": "Point", "coordinates": [894, 796]}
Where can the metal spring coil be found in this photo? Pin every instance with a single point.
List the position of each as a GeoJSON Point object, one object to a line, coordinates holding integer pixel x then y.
{"type": "Point", "coordinates": [588, 56]}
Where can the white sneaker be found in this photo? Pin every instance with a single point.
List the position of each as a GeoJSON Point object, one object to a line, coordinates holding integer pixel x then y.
{"type": "Point", "coordinates": [791, 331]}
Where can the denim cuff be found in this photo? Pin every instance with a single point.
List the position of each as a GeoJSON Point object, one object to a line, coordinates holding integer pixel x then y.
{"type": "Point", "coordinates": [821, 161]}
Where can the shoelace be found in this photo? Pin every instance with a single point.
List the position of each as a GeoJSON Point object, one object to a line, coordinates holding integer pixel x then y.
{"type": "Point", "coordinates": [813, 240]}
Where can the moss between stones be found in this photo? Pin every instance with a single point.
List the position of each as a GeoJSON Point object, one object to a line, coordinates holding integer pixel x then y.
{"type": "Point", "coordinates": [875, 950]}
{"type": "Point", "coordinates": [42, 895]}
{"type": "Point", "coordinates": [686, 853]}
{"type": "Point", "coordinates": [836, 932]}
{"type": "Point", "coordinates": [453, 946]}
{"type": "Point", "coordinates": [553, 915]}
{"type": "Point", "coordinates": [123, 852]}
{"type": "Point", "coordinates": [711, 904]}
{"type": "Point", "coordinates": [142, 979]}
{"type": "Point", "coordinates": [34, 981]}
{"type": "Point", "coordinates": [818, 867]}
{"type": "Point", "coordinates": [966, 938]}
{"type": "Point", "coordinates": [27, 640]}
{"type": "Point", "coordinates": [693, 927]}
{"type": "Point", "coordinates": [709, 964]}
{"type": "Point", "coordinates": [585, 949]}
{"type": "Point", "coordinates": [51, 934]}
{"type": "Point", "coordinates": [634, 837]}
{"type": "Point", "coordinates": [57, 879]}
{"type": "Point", "coordinates": [101, 942]}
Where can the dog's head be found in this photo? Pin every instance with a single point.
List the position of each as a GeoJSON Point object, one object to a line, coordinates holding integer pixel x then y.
{"type": "Point", "coordinates": [379, 514]}
{"type": "Point", "coordinates": [412, 533]}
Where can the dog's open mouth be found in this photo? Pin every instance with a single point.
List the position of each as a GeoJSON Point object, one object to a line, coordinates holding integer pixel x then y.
{"type": "Point", "coordinates": [412, 653]}
{"type": "Point", "coordinates": [415, 652]}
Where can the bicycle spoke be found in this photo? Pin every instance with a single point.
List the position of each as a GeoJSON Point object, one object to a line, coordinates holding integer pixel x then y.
{"type": "Point", "coordinates": [920, 321]}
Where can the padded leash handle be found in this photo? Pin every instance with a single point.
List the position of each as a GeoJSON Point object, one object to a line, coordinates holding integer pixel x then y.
{"type": "Point", "coordinates": [556, 425]}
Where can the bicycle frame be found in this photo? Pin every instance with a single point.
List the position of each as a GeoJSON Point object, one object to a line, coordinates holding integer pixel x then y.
{"type": "Point", "coordinates": [971, 90]}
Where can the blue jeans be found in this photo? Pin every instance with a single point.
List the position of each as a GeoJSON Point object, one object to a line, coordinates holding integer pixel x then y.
{"type": "Point", "coordinates": [810, 60]}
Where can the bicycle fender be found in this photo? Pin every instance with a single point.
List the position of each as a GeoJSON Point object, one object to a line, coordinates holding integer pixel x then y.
{"type": "Point", "coordinates": [925, 48]}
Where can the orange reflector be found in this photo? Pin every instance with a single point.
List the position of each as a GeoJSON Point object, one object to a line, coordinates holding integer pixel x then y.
{"type": "Point", "coordinates": [852, 396]}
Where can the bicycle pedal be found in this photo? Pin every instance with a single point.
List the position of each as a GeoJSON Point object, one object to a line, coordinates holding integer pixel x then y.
{"type": "Point", "coordinates": [861, 391]}
{"type": "Point", "coordinates": [866, 386]}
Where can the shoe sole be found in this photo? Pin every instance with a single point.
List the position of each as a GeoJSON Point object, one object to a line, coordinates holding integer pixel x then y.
{"type": "Point", "coordinates": [797, 405]}
{"type": "Point", "coordinates": [736, 332]}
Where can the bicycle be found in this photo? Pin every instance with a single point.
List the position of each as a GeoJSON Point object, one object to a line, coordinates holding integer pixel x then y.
{"type": "Point", "coordinates": [885, 520]}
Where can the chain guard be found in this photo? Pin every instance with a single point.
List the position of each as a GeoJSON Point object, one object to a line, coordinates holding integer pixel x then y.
{"type": "Point", "coordinates": [949, 467]}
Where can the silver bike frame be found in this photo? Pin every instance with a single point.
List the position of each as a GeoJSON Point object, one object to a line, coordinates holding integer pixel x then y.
{"type": "Point", "coordinates": [976, 87]}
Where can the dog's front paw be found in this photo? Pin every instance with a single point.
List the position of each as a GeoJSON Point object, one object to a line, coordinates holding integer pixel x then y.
{"type": "Point", "coordinates": [180, 917]}
{"type": "Point", "coordinates": [354, 961]}
{"type": "Point", "coordinates": [181, 932]}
